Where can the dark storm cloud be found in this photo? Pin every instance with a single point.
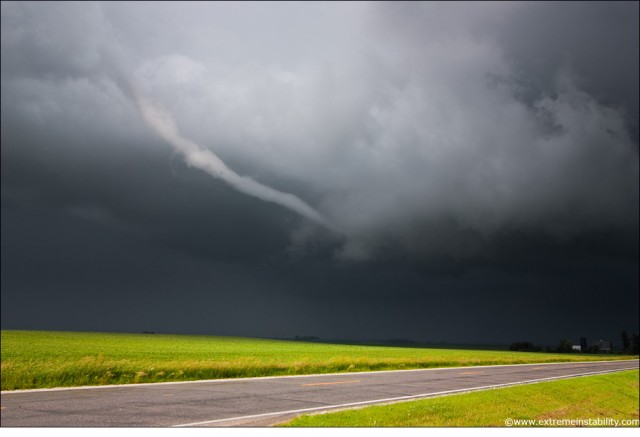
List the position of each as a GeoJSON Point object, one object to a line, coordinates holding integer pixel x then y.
{"type": "Point", "coordinates": [485, 151]}
{"type": "Point", "coordinates": [595, 39]}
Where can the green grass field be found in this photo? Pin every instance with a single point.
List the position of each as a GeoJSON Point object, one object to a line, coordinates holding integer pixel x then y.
{"type": "Point", "coordinates": [37, 359]}
{"type": "Point", "coordinates": [612, 396]}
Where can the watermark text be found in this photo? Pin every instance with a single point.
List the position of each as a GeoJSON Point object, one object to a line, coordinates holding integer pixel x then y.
{"type": "Point", "coordinates": [597, 421]}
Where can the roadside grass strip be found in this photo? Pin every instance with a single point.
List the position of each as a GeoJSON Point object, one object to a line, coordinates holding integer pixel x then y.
{"type": "Point", "coordinates": [606, 400]}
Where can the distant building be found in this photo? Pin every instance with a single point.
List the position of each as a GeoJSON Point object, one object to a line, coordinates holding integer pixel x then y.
{"type": "Point", "coordinates": [576, 348]}
{"type": "Point", "coordinates": [602, 346]}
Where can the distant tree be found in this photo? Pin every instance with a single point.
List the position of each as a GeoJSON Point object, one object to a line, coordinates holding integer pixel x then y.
{"type": "Point", "coordinates": [524, 346]}
{"type": "Point", "coordinates": [399, 342]}
{"type": "Point", "coordinates": [583, 345]}
{"type": "Point", "coordinates": [564, 346]}
{"type": "Point", "coordinates": [306, 338]}
{"type": "Point", "coordinates": [635, 346]}
{"type": "Point", "coordinates": [625, 340]}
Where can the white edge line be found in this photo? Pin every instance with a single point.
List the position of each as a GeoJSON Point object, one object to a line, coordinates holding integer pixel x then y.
{"type": "Point", "coordinates": [395, 399]}
{"type": "Point", "coordinates": [311, 375]}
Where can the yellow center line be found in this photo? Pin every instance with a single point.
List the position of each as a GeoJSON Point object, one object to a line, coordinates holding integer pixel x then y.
{"type": "Point", "coordinates": [329, 383]}
{"type": "Point", "coordinates": [470, 373]}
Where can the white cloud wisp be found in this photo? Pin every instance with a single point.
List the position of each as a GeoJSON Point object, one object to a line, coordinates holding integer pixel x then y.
{"type": "Point", "coordinates": [163, 124]}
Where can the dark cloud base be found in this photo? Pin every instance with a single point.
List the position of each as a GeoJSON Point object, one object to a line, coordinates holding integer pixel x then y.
{"type": "Point", "coordinates": [68, 273]}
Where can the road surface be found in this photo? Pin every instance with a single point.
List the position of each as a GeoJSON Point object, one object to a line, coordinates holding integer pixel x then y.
{"type": "Point", "coordinates": [264, 401]}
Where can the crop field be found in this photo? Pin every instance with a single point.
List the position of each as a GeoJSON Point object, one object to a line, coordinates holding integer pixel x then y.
{"type": "Point", "coordinates": [39, 359]}
{"type": "Point", "coordinates": [612, 396]}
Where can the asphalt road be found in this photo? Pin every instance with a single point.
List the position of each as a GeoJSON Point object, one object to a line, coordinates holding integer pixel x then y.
{"type": "Point", "coordinates": [263, 401]}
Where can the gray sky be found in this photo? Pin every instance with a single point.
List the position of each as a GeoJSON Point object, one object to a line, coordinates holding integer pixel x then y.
{"type": "Point", "coordinates": [463, 172]}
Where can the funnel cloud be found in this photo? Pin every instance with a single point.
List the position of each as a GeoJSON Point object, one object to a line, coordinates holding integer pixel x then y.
{"type": "Point", "coordinates": [161, 122]}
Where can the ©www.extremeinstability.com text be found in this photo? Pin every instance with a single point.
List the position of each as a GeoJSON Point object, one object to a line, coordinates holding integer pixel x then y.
{"type": "Point", "coordinates": [599, 421]}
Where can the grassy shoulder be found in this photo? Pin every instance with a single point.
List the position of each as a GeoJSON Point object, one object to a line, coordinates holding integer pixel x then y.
{"type": "Point", "coordinates": [40, 359]}
{"type": "Point", "coordinates": [608, 396]}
